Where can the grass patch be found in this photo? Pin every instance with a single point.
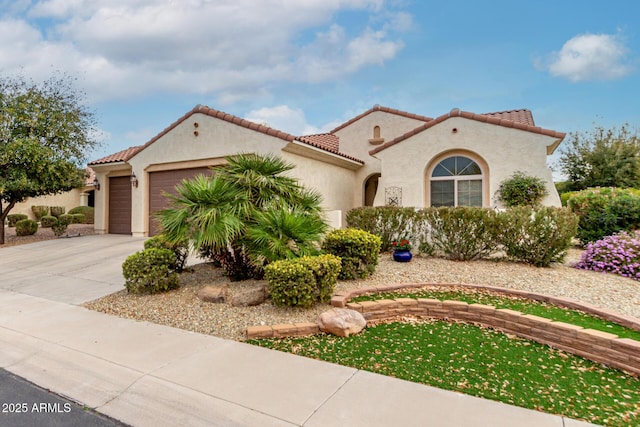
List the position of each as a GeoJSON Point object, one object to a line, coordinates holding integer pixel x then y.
{"type": "Point", "coordinates": [523, 305]}
{"type": "Point", "coordinates": [482, 362]}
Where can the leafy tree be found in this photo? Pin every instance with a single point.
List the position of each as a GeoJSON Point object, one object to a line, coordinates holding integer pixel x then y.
{"type": "Point", "coordinates": [45, 134]}
{"type": "Point", "coordinates": [521, 190]}
{"type": "Point", "coordinates": [602, 158]}
{"type": "Point", "coordinates": [249, 213]}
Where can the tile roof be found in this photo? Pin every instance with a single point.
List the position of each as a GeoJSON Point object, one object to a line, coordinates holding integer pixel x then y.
{"type": "Point", "coordinates": [520, 116]}
{"type": "Point", "coordinates": [383, 109]}
{"type": "Point", "coordinates": [491, 118]}
{"type": "Point", "coordinates": [314, 140]}
{"type": "Point", "coordinates": [120, 156]}
{"type": "Point", "coordinates": [326, 141]}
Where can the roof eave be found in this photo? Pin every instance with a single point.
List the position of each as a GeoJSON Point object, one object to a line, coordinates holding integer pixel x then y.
{"type": "Point", "coordinates": [309, 151]}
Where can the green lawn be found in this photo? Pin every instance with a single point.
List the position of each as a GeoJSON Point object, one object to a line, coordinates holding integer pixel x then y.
{"type": "Point", "coordinates": [482, 362]}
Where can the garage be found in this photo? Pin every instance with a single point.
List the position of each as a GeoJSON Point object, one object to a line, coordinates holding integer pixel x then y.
{"type": "Point", "coordinates": [119, 205]}
{"type": "Point", "coordinates": [165, 182]}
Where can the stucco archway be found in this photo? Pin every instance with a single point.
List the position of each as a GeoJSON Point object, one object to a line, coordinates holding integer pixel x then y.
{"type": "Point", "coordinates": [370, 189]}
{"type": "Point", "coordinates": [457, 178]}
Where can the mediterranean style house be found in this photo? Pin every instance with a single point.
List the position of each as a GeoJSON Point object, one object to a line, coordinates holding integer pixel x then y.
{"type": "Point", "coordinates": [381, 157]}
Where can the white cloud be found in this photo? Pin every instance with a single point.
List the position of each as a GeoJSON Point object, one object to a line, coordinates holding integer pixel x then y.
{"type": "Point", "coordinates": [229, 48]}
{"type": "Point", "coordinates": [591, 57]}
{"type": "Point", "coordinates": [284, 118]}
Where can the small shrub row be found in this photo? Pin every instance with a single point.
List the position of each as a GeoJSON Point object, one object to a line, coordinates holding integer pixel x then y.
{"type": "Point", "coordinates": [605, 211]}
{"type": "Point", "coordinates": [12, 219]}
{"type": "Point", "coordinates": [26, 227]}
{"type": "Point", "coordinates": [358, 251]}
{"type": "Point", "coordinates": [386, 222]}
{"type": "Point", "coordinates": [150, 271]}
{"type": "Point", "coordinates": [537, 236]}
{"type": "Point", "coordinates": [618, 254]}
{"type": "Point", "coordinates": [302, 281]}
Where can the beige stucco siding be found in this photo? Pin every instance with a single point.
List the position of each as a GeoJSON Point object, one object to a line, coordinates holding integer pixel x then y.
{"type": "Point", "coordinates": [505, 150]}
{"type": "Point", "coordinates": [336, 184]}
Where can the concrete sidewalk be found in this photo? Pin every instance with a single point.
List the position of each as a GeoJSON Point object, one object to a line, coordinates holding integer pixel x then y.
{"type": "Point", "coordinates": [150, 375]}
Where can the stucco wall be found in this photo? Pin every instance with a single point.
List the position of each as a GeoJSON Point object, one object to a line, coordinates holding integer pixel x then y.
{"type": "Point", "coordinates": [69, 200]}
{"type": "Point", "coordinates": [505, 151]}
{"type": "Point", "coordinates": [336, 185]}
{"type": "Point", "coordinates": [354, 141]}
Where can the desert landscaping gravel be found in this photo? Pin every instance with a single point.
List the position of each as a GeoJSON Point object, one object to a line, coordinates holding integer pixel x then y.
{"type": "Point", "coordinates": [181, 308]}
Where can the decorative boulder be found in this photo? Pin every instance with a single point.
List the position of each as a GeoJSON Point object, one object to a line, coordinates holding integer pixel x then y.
{"type": "Point", "coordinates": [212, 294]}
{"type": "Point", "coordinates": [249, 297]}
{"type": "Point", "coordinates": [341, 322]}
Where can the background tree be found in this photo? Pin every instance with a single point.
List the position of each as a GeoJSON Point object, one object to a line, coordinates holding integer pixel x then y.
{"type": "Point", "coordinates": [45, 136]}
{"type": "Point", "coordinates": [602, 158]}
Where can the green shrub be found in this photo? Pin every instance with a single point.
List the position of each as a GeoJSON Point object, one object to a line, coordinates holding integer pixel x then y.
{"type": "Point", "coordinates": [290, 283]}
{"type": "Point", "coordinates": [39, 211]}
{"type": "Point", "coordinates": [326, 269]}
{"type": "Point", "coordinates": [387, 222]}
{"type": "Point", "coordinates": [48, 221]}
{"type": "Point", "coordinates": [460, 233]}
{"type": "Point", "coordinates": [77, 218]}
{"type": "Point", "coordinates": [357, 249]}
{"type": "Point", "coordinates": [56, 211]}
{"type": "Point", "coordinates": [26, 227]}
{"type": "Point", "coordinates": [521, 190]}
{"type": "Point", "coordinates": [302, 281]}
{"type": "Point", "coordinates": [61, 224]}
{"type": "Point", "coordinates": [180, 250]}
{"type": "Point", "coordinates": [540, 236]}
{"type": "Point", "coordinates": [12, 219]}
{"type": "Point", "coordinates": [150, 271]}
{"type": "Point", "coordinates": [605, 211]}
{"type": "Point", "coordinates": [87, 211]}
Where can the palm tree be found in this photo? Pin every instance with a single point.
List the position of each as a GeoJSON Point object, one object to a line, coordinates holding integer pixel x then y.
{"type": "Point", "coordinates": [246, 215]}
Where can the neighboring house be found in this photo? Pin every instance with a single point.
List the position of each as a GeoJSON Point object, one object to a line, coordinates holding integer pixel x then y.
{"type": "Point", "coordinates": [381, 157]}
{"type": "Point", "coordinates": [81, 196]}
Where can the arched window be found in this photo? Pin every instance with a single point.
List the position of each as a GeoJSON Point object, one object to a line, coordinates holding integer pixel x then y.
{"type": "Point", "coordinates": [456, 181]}
{"type": "Point", "coordinates": [376, 132]}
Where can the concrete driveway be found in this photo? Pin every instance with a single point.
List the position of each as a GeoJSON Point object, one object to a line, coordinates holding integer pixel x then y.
{"type": "Point", "coordinates": [70, 270]}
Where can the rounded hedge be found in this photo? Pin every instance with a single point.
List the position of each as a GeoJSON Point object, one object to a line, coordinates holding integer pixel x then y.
{"type": "Point", "coordinates": [26, 227]}
{"type": "Point", "coordinates": [150, 271]}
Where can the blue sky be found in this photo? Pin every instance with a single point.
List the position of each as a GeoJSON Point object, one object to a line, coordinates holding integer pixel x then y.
{"type": "Point", "coordinates": [305, 66]}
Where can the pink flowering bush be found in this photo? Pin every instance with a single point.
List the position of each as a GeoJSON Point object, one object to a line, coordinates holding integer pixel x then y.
{"type": "Point", "coordinates": [618, 253]}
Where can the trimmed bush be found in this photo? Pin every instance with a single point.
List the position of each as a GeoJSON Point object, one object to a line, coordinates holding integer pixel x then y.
{"type": "Point", "coordinates": [387, 222]}
{"type": "Point", "coordinates": [77, 218]}
{"type": "Point", "coordinates": [87, 211]}
{"type": "Point", "coordinates": [180, 250]}
{"type": "Point", "coordinates": [357, 249]}
{"type": "Point", "coordinates": [326, 269]}
{"type": "Point", "coordinates": [26, 227]}
{"type": "Point", "coordinates": [290, 283]}
{"type": "Point", "coordinates": [460, 233]}
{"type": "Point", "coordinates": [39, 211]}
{"type": "Point", "coordinates": [540, 236]}
{"type": "Point", "coordinates": [61, 224]}
{"type": "Point", "coordinates": [150, 271]}
{"type": "Point", "coordinates": [301, 282]}
{"type": "Point", "coordinates": [12, 219]}
{"type": "Point", "coordinates": [48, 221]}
{"type": "Point", "coordinates": [605, 211]}
{"type": "Point", "coordinates": [521, 190]}
{"type": "Point", "coordinates": [56, 211]}
{"type": "Point", "coordinates": [618, 254]}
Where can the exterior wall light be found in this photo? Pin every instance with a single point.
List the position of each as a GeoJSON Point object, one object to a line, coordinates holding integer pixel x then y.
{"type": "Point", "coordinates": [134, 180]}
{"type": "Point", "coordinates": [96, 183]}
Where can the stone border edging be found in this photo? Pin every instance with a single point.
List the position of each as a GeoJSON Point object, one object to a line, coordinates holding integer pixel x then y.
{"type": "Point", "coordinates": [598, 346]}
{"type": "Point", "coordinates": [340, 299]}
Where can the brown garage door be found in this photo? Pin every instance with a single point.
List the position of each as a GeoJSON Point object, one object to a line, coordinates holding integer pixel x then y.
{"type": "Point", "coordinates": [120, 205]}
{"type": "Point", "coordinates": [166, 181]}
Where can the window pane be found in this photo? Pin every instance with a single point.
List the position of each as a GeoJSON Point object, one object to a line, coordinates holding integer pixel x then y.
{"type": "Point", "coordinates": [442, 193]}
{"type": "Point", "coordinates": [470, 192]}
{"type": "Point", "coordinates": [456, 165]}
{"type": "Point", "coordinates": [470, 168]}
{"type": "Point", "coordinates": [441, 171]}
